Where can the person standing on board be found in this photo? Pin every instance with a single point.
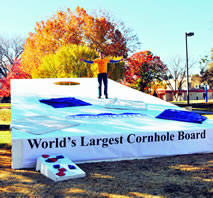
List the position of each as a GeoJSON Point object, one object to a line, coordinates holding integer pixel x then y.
{"type": "Point", "coordinates": [102, 72]}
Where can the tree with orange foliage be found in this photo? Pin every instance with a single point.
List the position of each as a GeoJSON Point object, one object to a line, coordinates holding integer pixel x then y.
{"type": "Point", "coordinates": [142, 70]}
{"type": "Point", "coordinates": [67, 27]}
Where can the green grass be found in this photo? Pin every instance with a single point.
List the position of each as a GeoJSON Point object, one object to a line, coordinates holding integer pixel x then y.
{"type": "Point", "coordinates": [5, 119]}
{"type": "Point", "coordinates": [5, 105]}
{"type": "Point", "coordinates": [209, 116]}
{"type": "Point", "coordinates": [5, 139]}
{"type": "Point", "coordinates": [5, 116]}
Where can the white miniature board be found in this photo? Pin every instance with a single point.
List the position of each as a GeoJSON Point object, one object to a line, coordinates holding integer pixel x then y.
{"type": "Point", "coordinates": [58, 168]}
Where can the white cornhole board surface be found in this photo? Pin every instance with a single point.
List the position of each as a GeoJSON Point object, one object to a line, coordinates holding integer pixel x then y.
{"type": "Point", "coordinates": [60, 170]}
{"type": "Point", "coordinates": [97, 138]}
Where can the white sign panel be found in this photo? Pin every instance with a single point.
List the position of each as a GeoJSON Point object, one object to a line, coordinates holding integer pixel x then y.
{"type": "Point", "coordinates": [118, 146]}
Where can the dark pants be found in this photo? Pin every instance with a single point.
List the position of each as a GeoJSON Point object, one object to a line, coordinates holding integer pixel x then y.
{"type": "Point", "coordinates": [102, 76]}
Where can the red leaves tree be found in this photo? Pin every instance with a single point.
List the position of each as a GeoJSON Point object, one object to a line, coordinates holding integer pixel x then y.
{"type": "Point", "coordinates": [67, 27]}
{"type": "Point", "coordinates": [142, 70]}
{"type": "Point", "coordinates": [14, 73]}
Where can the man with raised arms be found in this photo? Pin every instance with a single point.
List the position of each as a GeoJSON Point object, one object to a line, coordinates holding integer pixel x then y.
{"type": "Point", "coordinates": [102, 72]}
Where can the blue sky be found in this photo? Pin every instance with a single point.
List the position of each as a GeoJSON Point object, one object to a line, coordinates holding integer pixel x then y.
{"type": "Point", "coordinates": [159, 24]}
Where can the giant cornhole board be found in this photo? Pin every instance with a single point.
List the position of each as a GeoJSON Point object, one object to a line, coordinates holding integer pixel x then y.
{"type": "Point", "coordinates": [121, 127]}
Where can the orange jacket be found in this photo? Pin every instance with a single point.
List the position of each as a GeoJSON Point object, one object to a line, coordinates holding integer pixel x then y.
{"type": "Point", "coordinates": [102, 64]}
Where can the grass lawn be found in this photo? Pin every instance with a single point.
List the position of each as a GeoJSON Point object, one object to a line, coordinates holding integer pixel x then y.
{"type": "Point", "coordinates": [209, 116]}
{"type": "Point", "coordinates": [5, 116]}
{"type": "Point", "coordinates": [5, 105]}
{"type": "Point", "coordinates": [5, 119]}
{"type": "Point", "coordinates": [177, 176]}
{"type": "Point", "coordinates": [5, 139]}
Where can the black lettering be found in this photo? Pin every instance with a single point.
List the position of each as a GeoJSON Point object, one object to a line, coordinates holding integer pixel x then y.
{"type": "Point", "coordinates": [56, 142]}
{"type": "Point", "coordinates": [82, 141]}
{"type": "Point", "coordinates": [144, 138]}
{"type": "Point", "coordinates": [111, 140]}
{"type": "Point", "coordinates": [167, 136]}
{"type": "Point", "coordinates": [172, 136]}
{"type": "Point", "coordinates": [187, 136]}
{"type": "Point", "coordinates": [117, 140]}
{"type": "Point", "coordinates": [98, 141]}
{"type": "Point", "coordinates": [163, 138]}
{"type": "Point", "coordinates": [92, 142]}
{"type": "Point", "coordinates": [203, 134]}
{"type": "Point", "coordinates": [138, 139]}
{"type": "Point", "coordinates": [157, 137]}
{"type": "Point", "coordinates": [180, 135]}
{"type": "Point", "coordinates": [197, 135]}
{"type": "Point", "coordinates": [34, 143]}
{"type": "Point", "coordinates": [129, 138]}
{"type": "Point", "coordinates": [51, 144]}
{"type": "Point", "coordinates": [121, 140]}
{"type": "Point", "coordinates": [150, 138]}
{"type": "Point", "coordinates": [44, 144]}
{"type": "Point", "coordinates": [73, 143]}
{"type": "Point", "coordinates": [104, 142]}
{"type": "Point", "coordinates": [193, 136]}
{"type": "Point", "coordinates": [62, 143]}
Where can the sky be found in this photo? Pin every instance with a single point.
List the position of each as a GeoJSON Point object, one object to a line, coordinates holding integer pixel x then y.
{"type": "Point", "coordinates": [159, 24]}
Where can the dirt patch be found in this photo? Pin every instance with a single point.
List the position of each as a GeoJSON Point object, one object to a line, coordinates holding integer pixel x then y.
{"type": "Point", "coordinates": [178, 176]}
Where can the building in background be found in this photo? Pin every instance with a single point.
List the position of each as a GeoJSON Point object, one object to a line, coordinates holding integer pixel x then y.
{"type": "Point", "coordinates": [196, 90]}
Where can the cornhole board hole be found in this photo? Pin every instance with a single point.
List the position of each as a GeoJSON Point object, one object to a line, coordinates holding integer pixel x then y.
{"type": "Point", "coordinates": [125, 126]}
{"type": "Point", "coordinates": [58, 167]}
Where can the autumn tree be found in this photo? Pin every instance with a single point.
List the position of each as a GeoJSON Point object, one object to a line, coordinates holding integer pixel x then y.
{"type": "Point", "coordinates": [142, 69]}
{"type": "Point", "coordinates": [65, 63]}
{"type": "Point", "coordinates": [10, 50]}
{"type": "Point", "coordinates": [80, 28]}
{"type": "Point", "coordinates": [158, 85]}
{"type": "Point", "coordinates": [131, 39]}
{"type": "Point", "coordinates": [196, 80]}
{"type": "Point", "coordinates": [15, 72]}
{"type": "Point", "coordinates": [115, 71]}
{"type": "Point", "coordinates": [207, 70]}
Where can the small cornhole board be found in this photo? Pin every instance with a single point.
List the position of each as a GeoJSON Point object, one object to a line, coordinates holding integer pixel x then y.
{"type": "Point", "coordinates": [58, 168]}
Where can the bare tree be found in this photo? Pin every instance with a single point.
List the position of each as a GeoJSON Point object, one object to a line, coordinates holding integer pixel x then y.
{"type": "Point", "coordinates": [10, 49]}
{"type": "Point", "coordinates": [177, 72]}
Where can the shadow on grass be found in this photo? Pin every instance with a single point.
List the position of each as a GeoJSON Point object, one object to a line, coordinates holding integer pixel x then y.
{"type": "Point", "coordinates": [178, 176]}
{"type": "Point", "coordinates": [5, 146]}
{"type": "Point", "coordinates": [197, 105]}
